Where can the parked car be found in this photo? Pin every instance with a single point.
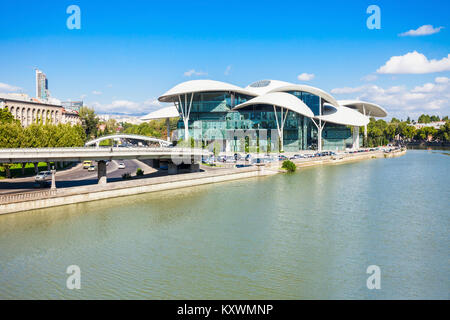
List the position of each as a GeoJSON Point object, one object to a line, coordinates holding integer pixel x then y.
{"type": "Point", "coordinates": [282, 157]}
{"type": "Point", "coordinates": [121, 165]}
{"type": "Point", "coordinates": [91, 167]}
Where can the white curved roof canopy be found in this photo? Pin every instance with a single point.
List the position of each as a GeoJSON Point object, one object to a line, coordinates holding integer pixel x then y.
{"type": "Point", "coordinates": [163, 113]}
{"type": "Point", "coordinates": [371, 109]}
{"type": "Point", "coordinates": [264, 86]}
{"type": "Point", "coordinates": [344, 116]}
{"type": "Point", "coordinates": [305, 88]}
{"type": "Point", "coordinates": [279, 99]}
{"type": "Point", "coordinates": [193, 86]}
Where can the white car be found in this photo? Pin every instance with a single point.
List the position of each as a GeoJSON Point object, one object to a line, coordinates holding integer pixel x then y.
{"type": "Point", "coordinates": [121, 165]}
{"type": "Point", "coordinates": [91, 167]}
{"type": "Point", "coordinates": [43, 176]}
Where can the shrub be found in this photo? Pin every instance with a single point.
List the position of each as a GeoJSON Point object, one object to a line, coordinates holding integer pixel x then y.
{"type": "Point", "coordinates": [289, 166]}
{"type": "Point", "coordinates": [139, 172]}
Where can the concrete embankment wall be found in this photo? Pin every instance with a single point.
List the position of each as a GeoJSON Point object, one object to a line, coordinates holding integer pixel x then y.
{"type": "Point", "coordinates": [349, 158]}
{"type": "Point", "coordinates": [45, 199]}
{"type": "Point", "coordinates": [73, 195]}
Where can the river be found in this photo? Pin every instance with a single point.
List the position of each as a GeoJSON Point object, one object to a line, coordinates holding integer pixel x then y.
{"type": "Point", "coordinates": [308, 235]}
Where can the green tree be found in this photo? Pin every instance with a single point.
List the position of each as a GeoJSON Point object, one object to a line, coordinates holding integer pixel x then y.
{"type": "Point", "coordinates": [6, 116]}
{"type": "Point", "coordinates": [89, 121]}
{"type": "Point", "coordinates": [424, 118]}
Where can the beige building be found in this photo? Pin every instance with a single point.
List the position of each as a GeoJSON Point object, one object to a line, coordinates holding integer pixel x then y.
{"type": "Point", "coordinates": [29, 111]}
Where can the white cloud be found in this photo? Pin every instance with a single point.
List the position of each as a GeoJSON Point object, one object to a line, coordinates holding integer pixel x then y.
{"type": "Point", "coordinates": [127, 107]}
{"type": "Point", "coordinates": [421, 31]}
{"type": "Point", "coordinates": [5, 88]}
{"type": "Point", "coordinates": [441, 80]}
{"type": "Point", "coordinates": [414, 63]}
{"type": "Point", "coordinates": [97, 93]}
{"type": "Point", "coordinates": [192, 72]}
{"type": "Point", "coordinates": [346, 90]}
{"type": "Point", "coordinates": [400, 101]}
{"type": "Point", "coordinates": [227, 70]}
{"type": "Point", "coordinates": [369, 77]}
{"type": "Point", "coordinates": [305, 76]}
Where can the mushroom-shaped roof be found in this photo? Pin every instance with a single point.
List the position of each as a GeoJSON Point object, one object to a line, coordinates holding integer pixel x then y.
{"type": "Point", "coordinates": [371, 109]}
{"type": "Point", "coordinates": [163, 113]}
{"type": "Point", "coordinates": [305, 88]}
{"type": "Point", "coordinates": [193, 86]}
{"type": "Point", "coordinates": [279, 99]}
{"type": "Point", "coordinates": [344, 116]}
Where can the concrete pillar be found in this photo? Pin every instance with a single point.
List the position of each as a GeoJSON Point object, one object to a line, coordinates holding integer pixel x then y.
{"type": "Point", "coordinates": [8, 171]}
{"type": "Point", "coordinates": [101, 172]}
{"type": "Point", "coordinates": [195, 167]}
{"type": "Point", "coordinates": [36, 168]}
{"type": "Point", "coordinates": [53, 187]}
{"type": "Point", "coordinates": [23, 168]}
{"type": "Point", "coordinates": [172, 168]}
{"type": "Point", "coordinates": [155, 163]}
{"type": "Point", "coordinates": [48, 166]}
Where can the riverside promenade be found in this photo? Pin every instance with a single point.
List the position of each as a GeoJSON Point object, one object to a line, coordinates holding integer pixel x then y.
{"type": "Point", "coordinates": [11, 203]}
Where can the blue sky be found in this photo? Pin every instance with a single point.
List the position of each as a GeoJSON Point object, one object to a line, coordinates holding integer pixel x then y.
{"type": "Point", "coordinates": [127, 53]}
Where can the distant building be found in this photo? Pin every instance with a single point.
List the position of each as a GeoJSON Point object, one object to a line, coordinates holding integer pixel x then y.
{"type": "Point", "coordinates": [72, 105]}
{"type": "Point", "coordinates": [435, 124]}
{"type": "Point", "coordinates": [41, 86]}
{"type": "Point", "coordinates": [28, 110]}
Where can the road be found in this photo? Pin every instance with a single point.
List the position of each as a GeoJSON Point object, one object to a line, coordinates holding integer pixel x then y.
{"type": "Point", "coordinates": [76, 176]}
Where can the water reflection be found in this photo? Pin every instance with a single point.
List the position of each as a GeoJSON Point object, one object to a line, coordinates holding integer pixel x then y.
{"type": "Point", "coordinates": [307, 235]}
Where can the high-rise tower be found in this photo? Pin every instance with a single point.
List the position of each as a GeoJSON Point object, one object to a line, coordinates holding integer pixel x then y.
{"type": "Point", "coordinates": [41, 85]}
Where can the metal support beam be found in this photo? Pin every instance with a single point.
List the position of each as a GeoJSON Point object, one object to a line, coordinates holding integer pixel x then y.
{"type": "Point", "coordinates": [280, 127]}
{"type": "Point", "coordinates": [168, 128]}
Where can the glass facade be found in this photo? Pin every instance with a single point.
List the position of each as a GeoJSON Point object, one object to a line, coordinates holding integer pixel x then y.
{"type": "Point", "coordinates": [212, 118]}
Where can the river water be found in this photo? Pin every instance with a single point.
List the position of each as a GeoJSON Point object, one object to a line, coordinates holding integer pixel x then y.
{"type": "Point", "coordinates": [308, 235]}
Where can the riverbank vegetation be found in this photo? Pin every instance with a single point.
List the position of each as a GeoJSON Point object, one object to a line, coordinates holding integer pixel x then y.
{"type": "Point", "coordinates": [289, 166]}
{"type": "Point", "coordinates": [380, 132]}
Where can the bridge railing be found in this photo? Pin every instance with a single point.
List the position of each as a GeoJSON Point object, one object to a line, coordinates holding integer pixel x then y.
{"type": "Point", "coordinates": [110, 149]}
{"type": "Point", "coordinates": [26, 196]}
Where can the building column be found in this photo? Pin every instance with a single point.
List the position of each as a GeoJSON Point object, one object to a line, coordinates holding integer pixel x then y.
{"type": "Point", "coordinates": [23, 168]}
{"type": "Point", "coordinates": [36, 168]}
{"type": "Point", "coordinates": [185, 111]}
{"type": "Point", "coordinates": [101, 172]}
{"type": "Point", "coordinates": [280, 127]}
{"type": "Point", "coordinates": [365, 126]}
{"type": "Point", "coordinates": [355, 137]}
{"type": "Point", "coordinates": [168, 128]}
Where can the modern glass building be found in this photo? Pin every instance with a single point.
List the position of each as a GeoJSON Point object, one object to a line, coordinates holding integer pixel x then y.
{"type": "Point", "coordinates": [267, 115]}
